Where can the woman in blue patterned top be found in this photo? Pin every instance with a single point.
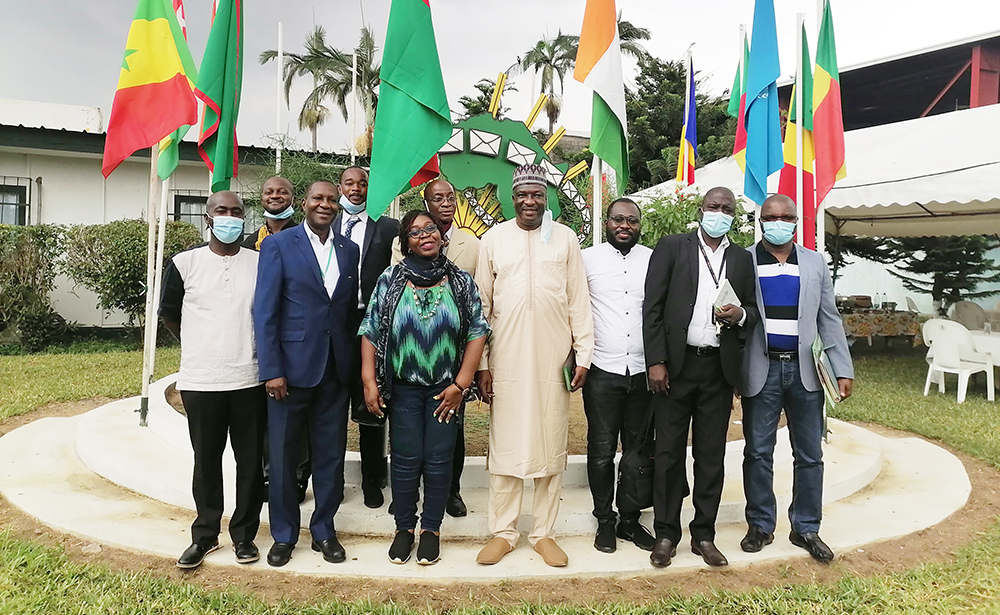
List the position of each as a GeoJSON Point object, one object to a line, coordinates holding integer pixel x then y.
{"type": "Point", "coordinates": [422, 338]}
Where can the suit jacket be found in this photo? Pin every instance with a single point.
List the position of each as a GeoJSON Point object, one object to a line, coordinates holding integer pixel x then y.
{"type": "Point", "coordinates": [297, 323]}
{"type": "Point", "coordinates": [817, 315]}
{"type": "Point", "coordinates": [671, 287]}
{"type": "Point", "coordinates": [463, 251]}
{"type": "Point", "coordinates": [376, 251]}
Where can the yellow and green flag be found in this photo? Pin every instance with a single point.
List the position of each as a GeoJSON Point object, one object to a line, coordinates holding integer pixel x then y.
{"type": "Point", "coordinates": [219, 83]}
{"type": "Point", "coordinates": [154, 96]}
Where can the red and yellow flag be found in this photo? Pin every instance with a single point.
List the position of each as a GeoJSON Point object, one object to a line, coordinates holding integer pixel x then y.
{"type": "Point", "coordinates": [789, 173]}
{"type": "Point", "coordinates": [738, 107]}
{"type": "Point", "coordinates": [155, 88]}
{"type": "Point", "coordinates": [828, 118]}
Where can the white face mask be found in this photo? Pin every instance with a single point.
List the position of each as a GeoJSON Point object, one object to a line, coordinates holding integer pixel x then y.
{"type": "Point", "coordinates": [350, 207]}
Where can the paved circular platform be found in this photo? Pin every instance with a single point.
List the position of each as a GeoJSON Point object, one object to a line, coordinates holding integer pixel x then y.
{"type": "Point", "coordinates": [104, 479]}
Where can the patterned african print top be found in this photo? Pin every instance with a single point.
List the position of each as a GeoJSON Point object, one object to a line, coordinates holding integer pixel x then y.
{"type": "Point", "coordinates": [423, 344]}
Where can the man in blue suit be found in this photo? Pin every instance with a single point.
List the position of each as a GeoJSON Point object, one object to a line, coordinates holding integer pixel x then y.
{"type": "Point", "coordinates": [796, 302]}
{"type": "Point", "coordinates": [306, 321]}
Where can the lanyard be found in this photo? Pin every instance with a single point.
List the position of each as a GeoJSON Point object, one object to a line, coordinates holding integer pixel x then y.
{"type": "Point", "coordinates": [704, 254]}
{"type": "Point", "coordinates": [329, 259]}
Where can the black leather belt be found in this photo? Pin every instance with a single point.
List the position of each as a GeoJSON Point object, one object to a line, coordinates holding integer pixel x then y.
{"type": "Point", "coordinates": [790, 355]}
{"type": "Point", "coordinates": [703, 351]}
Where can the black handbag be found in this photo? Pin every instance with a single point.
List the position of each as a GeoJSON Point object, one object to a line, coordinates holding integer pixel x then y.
{"type": "Point", "coordinates": [635, 476]}
{"type": "Point", "coordinates": [359, 411]}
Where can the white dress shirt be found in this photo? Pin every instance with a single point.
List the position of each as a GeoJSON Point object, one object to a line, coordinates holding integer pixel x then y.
{"type": "Point", "coordinates": [617, 287]}
{"type": "Point", "coordinates": [358, 232]}
{"type": "Point", "coordinates": [326, 256]}
{"type": "Point", "coordinates": [701, 329]}
{"type": "Point", "coordinates": [447, 237]}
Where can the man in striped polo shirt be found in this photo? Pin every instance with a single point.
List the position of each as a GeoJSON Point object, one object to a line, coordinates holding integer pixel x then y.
{"type": "Point", "coordinates": [796, 302]}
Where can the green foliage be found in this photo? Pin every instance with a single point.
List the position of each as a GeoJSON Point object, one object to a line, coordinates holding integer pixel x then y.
{"type": "Point", "coordinates": [110, 259]}
{"type": "Point", "coordinates": [553, 58]}
{"type": "Point", "coordinates": [481, 102]}
{"type": "Point", "coordinates": [27, 274]}
{"type": "Point", "coordinates": [677, 212]}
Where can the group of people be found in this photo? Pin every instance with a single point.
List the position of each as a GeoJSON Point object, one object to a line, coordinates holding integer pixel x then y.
{"type": "Point", "coordinates": [302, 327]}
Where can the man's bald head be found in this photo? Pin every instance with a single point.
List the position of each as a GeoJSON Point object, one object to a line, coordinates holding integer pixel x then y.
{"type": "Point", "coordinates": [778, 207]}
{"type": "Point", "coordinates": [721, 192]}
{"type": "Point", "coordinates": [226, 199]}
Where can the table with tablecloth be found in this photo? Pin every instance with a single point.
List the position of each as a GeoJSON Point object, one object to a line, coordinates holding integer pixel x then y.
{"type": "Point", "coordinates": [878, 323]}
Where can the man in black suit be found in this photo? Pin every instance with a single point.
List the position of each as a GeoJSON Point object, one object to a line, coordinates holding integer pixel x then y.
{"type": "Point", "coordinates": [306, 325]}
{"type": "Point", "coordinates": [694, 352]}
{"type": "Point", "coordinates": [374, 239]}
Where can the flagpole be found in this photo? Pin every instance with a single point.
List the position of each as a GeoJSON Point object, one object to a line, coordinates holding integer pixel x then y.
{"type": "Point", "coordinates": [800, 20]}
{"type": "Point", "coordinates": [820, 208]}
{"type": "Point", "coordinates": [161, 240]}
{"type": "Point", "coordinates": [150, 324]}
{"type": "Point", "coordinates": [687, 114]}
{"type": "Point", "coordinates": [277, 115]}
{"type": "Point", "coordinates": [597, 207]}
{"type": "Point", "coordinates": [354, 110]}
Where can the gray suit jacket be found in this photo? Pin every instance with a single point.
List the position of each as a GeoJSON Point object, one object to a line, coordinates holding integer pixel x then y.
{"type": "Point", "coordinates": [817, 314]}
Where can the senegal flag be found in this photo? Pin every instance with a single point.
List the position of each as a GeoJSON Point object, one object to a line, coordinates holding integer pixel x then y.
{"type": "Point", "coordinates": [828, 118]}
{"type": "Point", "coordinates": [219, 82]}
{"type": "Point", "coordinates": [789, 173]}
{"type": "Point", "coordinates": [154, 95]}
{"type": "Point", "coordinates": [412, 121]}
{"type": "Point", "coordinates": [599, 66]}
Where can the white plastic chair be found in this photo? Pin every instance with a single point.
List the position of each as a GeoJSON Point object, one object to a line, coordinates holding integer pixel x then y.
{"type": "Point", "coordinates": [911, 306]}
{"type": "Point", "coordinates": [952, 352]}
{"type": "Point", "coordinates": [970, 314]}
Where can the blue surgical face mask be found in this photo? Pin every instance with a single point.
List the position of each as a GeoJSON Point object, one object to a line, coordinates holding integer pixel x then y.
{"type": "Point", "coordinates": [284, 215]}
{"type": "Point", "coordinates": [350, 207]}
{"type": "Point", "coordinates": [778, 232]}
{"type": "Point", "coordinates": [227, 229]}
{"type": "Point", "coordinates": [715, 223]}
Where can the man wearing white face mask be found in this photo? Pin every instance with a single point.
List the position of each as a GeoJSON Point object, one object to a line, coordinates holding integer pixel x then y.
{"type": "Point", "coordinates": [795, 297]}
{"type": "Point", "coordinates": [693, 356]}
{"type": "Point", "coordinates": [208, 294]}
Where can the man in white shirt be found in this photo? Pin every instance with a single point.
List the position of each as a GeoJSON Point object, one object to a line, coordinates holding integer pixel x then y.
{"type": "Point", "coordinates": [615, 396]}
{"type": "Point", "coordinates": [694, 354]}
{"type": "Point", "coordinates": [208, 294]}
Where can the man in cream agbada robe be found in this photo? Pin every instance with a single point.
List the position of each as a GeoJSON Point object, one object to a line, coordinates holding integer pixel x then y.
{"type": "Point", "coordinates": [534, 291]}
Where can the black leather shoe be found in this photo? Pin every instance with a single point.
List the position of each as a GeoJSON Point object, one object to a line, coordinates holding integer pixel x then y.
{"type": "Point", "coordinates": [331, 548]}
{"type": "Point", "coordinates": [663, 550]}
{"type": "Point", "coordinates": [456, 506]}
{"type": "Point", "coordinates": [755, 540]}
{"type": "Point", "coordinates": [267, 488]}
{"type": "Point", "coordinates": [709, 552]}
{"type": "Point", "coordinates": [401, 547]}
{"type": "Point", "coordinates": [280, 553]}
{"type": "Point", "coordinates": [639, 535]}
{"type": "Point", "coordinates": [811, 542]}
{"type": "Point", "coordinates": [373, 496]}
{"type": "Point", "coordinates": [194, 555]}
{"type": "Point", "coordinates": [246, 552]}
{"type": "Point", "coordinates": [300, 492]}
{"type": "Point", "coordinates": [605, 540]}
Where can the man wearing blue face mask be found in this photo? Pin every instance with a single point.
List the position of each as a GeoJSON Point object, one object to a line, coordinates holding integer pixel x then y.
{"type": "Point", "coordinates": [207, 297]}
{"type": "Point", "coordinates": [795, 297]}
{"type": "Point", "coordinates": [276, 197]}
{"type": "Point", "coordinates": [694, 351]}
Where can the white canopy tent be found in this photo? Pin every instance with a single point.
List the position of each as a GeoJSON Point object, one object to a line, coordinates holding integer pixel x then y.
{"type": "Point", "coordinates": [932, 176]}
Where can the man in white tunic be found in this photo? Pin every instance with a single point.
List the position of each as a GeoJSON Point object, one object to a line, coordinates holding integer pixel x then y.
{"type": "Point", "coordinates": [534, 291]}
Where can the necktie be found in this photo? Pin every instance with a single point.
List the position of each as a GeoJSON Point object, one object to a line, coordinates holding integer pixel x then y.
{"type": "Point", "coordinates": [350, 226]}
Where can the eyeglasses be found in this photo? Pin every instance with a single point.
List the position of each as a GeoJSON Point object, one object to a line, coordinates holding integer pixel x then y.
{"type": "Point", "coordinates": [441, 199]}
{"type": "Point", "coordinates": [430, 229]}
{"type": "Point", "coordinates": [632, 220]}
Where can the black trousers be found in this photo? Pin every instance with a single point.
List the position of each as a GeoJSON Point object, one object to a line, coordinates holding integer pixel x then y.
{"type": "Point", "coordinates": [700, 398]}
{"type": "Point", "coordinates": [616, 406]}
{"type": "Point", "coordinates": [214, 417]}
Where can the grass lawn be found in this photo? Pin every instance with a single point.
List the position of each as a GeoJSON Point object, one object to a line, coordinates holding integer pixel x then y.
{"type": "Point", "coordinates": [36, 579]}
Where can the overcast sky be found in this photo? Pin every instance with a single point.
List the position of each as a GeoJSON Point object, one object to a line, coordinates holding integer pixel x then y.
{"type": "Point", "coordinates": [70, 51]}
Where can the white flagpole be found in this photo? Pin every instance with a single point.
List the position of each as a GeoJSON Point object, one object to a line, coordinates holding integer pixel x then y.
{"type": "Point", "coordinates": [278, 90]}
{"type": "Point", "coordinates": [597, 207]}
{"type": "Point", "coordinates": [149, 339]}
{"type": "Point", "coordinates": [820, 208]}
{"type": "Point", "coordinates": [799, 118]}
{"type": "Point", "coordinates": [354, 110]}
{"type": "Point", "coordinates": [687, 113]}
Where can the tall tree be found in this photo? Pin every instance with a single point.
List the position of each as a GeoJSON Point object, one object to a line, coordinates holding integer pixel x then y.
{"type": "Point", "coordinates": [481, 102]}
{"type": "Point", "coordinates": [629, 36]}
{"type": "Point", "coordinates": [553, 58]}
{"type": "Point", "coordinates": [333, 78]}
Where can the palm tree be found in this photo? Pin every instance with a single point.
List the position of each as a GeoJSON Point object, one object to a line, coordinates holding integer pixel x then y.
{"type": "Point", "coordinates": [553, 58]}
{"type": "Point", "coordinates": [481, 103]}
{"type": "Point", "coordinates": [629, 36]}
{"type": "Point", "coordinates": [333, 78]}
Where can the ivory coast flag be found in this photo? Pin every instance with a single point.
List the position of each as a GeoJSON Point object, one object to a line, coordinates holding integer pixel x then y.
{"type": "Point", "coordinates": [738, 106]}
{"type": "Point", "coordinates": [688, 150]}
{"type": "Point", "coordinates": [789, 177]}
{"type": "Point", "coordinates": [412, 121]}
{"type": "Point", "coordinates": [154, 95]}
{"type": "Point", "coordinates": [599, 66]}
{"type": "Point", "coordinates": [828, 118]}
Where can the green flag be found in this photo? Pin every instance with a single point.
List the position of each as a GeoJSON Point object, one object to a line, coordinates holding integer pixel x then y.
{"type": "Point", "coordinates": [412, 121]}
{"type": "Point", "coordinates": [219, 81]}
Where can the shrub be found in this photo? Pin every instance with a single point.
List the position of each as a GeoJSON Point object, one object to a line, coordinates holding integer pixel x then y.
{"type": "Point", "coordinates": [110, 259]}
{"type": "Point", "coordinates": [27, 274]}
{"type": "Point", "coordinates": [676, 212]}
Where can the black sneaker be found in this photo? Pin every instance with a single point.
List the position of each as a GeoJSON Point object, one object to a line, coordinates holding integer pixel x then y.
{"type": "Point", "coordinates": [194, 555]}
{"type": "Point", "coordinates": [605, 540]}
{"type": "Point", "coordinates": [429, 551]}
{"type": "Point", "coordinates": [402, 545]}
{"type": "Point", "coordinates": [639, 535]}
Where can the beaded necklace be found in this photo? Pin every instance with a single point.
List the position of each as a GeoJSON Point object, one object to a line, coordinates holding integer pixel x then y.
{"type": "Point", "coordinates": [426, 300]}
